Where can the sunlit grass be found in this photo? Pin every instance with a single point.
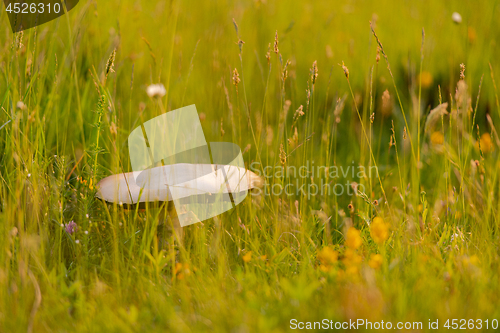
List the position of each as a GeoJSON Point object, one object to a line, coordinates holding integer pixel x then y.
{"type": "Point", "coordinates": [292, 85]}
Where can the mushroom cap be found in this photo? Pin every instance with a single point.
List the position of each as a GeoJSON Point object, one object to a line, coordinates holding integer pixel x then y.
{"type": "Point", "coordinates": [176, 182]}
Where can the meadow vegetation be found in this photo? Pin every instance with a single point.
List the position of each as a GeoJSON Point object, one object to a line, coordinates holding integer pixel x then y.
{"type": "Point", "coordinates": [392, 86]}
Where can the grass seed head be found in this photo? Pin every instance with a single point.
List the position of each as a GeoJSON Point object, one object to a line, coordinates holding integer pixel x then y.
{"type": "Point", "coordinates": [314, 72]}
{"type": "Point", "coordinates": [276, 49]}
{"type": "Point", "coordinates": [286, 107]}
{"type": "Point", "coordinates": [435, 117]}
{"type": "Point", "coordinates": [298, 113]}
{"type": "Point", "coordinates": [19, 42]}
{"type": "Point", "coordinates": [268, 54]}
{"type": "Point", "coordinates": [285, 70]}
{"type": "Point", "coordinates": [240, 44]}
{"type": "Point", "coordinates": [236, 26]}
{"type": "Point", "coordinates": [282, 155]}
{"type": "Point", "coordinates": [308, 94]}
{"type": "Point", "coordinates": [462, 71]}
{"type": "Point", "coordinates": [111, 63]}
{"type": "Point", "coordinates": [20, 105]}
{"type": "Point", "coordinates": [461, 95]}
{"type": "Point", "coordinates": [329, 52]}
{"type": "Point", "coordinates": [386, 103]}
{"type": "Point", "coordinates": [236, 78]}
{"type": "Point", "coordinates": [346, 70]}
{"type": "Point", "coordinates": [351, 208]}
{"type": "Point", "coordinates": [292, 142]}
{"type": "Point", "coordinates": [113, 129]}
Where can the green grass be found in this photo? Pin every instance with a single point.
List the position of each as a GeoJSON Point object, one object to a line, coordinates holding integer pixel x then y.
{"type": "Point", "coordinates": [263, 263]}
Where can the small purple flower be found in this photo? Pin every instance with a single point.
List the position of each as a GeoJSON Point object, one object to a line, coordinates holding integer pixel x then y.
{"type": "Point", "coordinates": [71, 227]}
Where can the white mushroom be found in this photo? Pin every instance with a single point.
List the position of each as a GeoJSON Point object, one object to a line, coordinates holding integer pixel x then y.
{"type": "Point", "coordinates": [198, 191]}
{"type": "Point", "coordinates": [167, 183]}
{"type": "Point", "coordinates": [456, 17]}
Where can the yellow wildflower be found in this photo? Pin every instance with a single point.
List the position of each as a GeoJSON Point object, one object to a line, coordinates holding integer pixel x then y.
{"type": "Point", "coordinates": [379, 230]}
{"type": "Point", "coordinates": [247, 257]}
{"type": "Point", "coordinates": [471, 34]}
{"type": "Point", "coordinates": [178, 267]}
{"type": "Point", "coordinates": [485, 143]}
{"type": "Point", "coordinates": [328, 257]}
{"type": "Point", "coordinates": [353, 238]}
{"type": "Point", "coordinates": [181, 270]}
{"type": "Point", "coordinates": [470, 261]}
{"type": "Point", "coordinates": [351, 271]}
{"type": "Point", "coordinates": [423, 259]}
{"type": "Point", "coordinates": [375, 261]}
{"type": "Point", "coordinates": [351, 258]}
{"type": "Point", "coordinates": [437, 138]}
{"type": "Point", "coordinates": [426, 79]}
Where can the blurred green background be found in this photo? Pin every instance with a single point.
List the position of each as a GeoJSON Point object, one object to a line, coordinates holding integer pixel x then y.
{"type": "Point", "coordinates": [72, 90]}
